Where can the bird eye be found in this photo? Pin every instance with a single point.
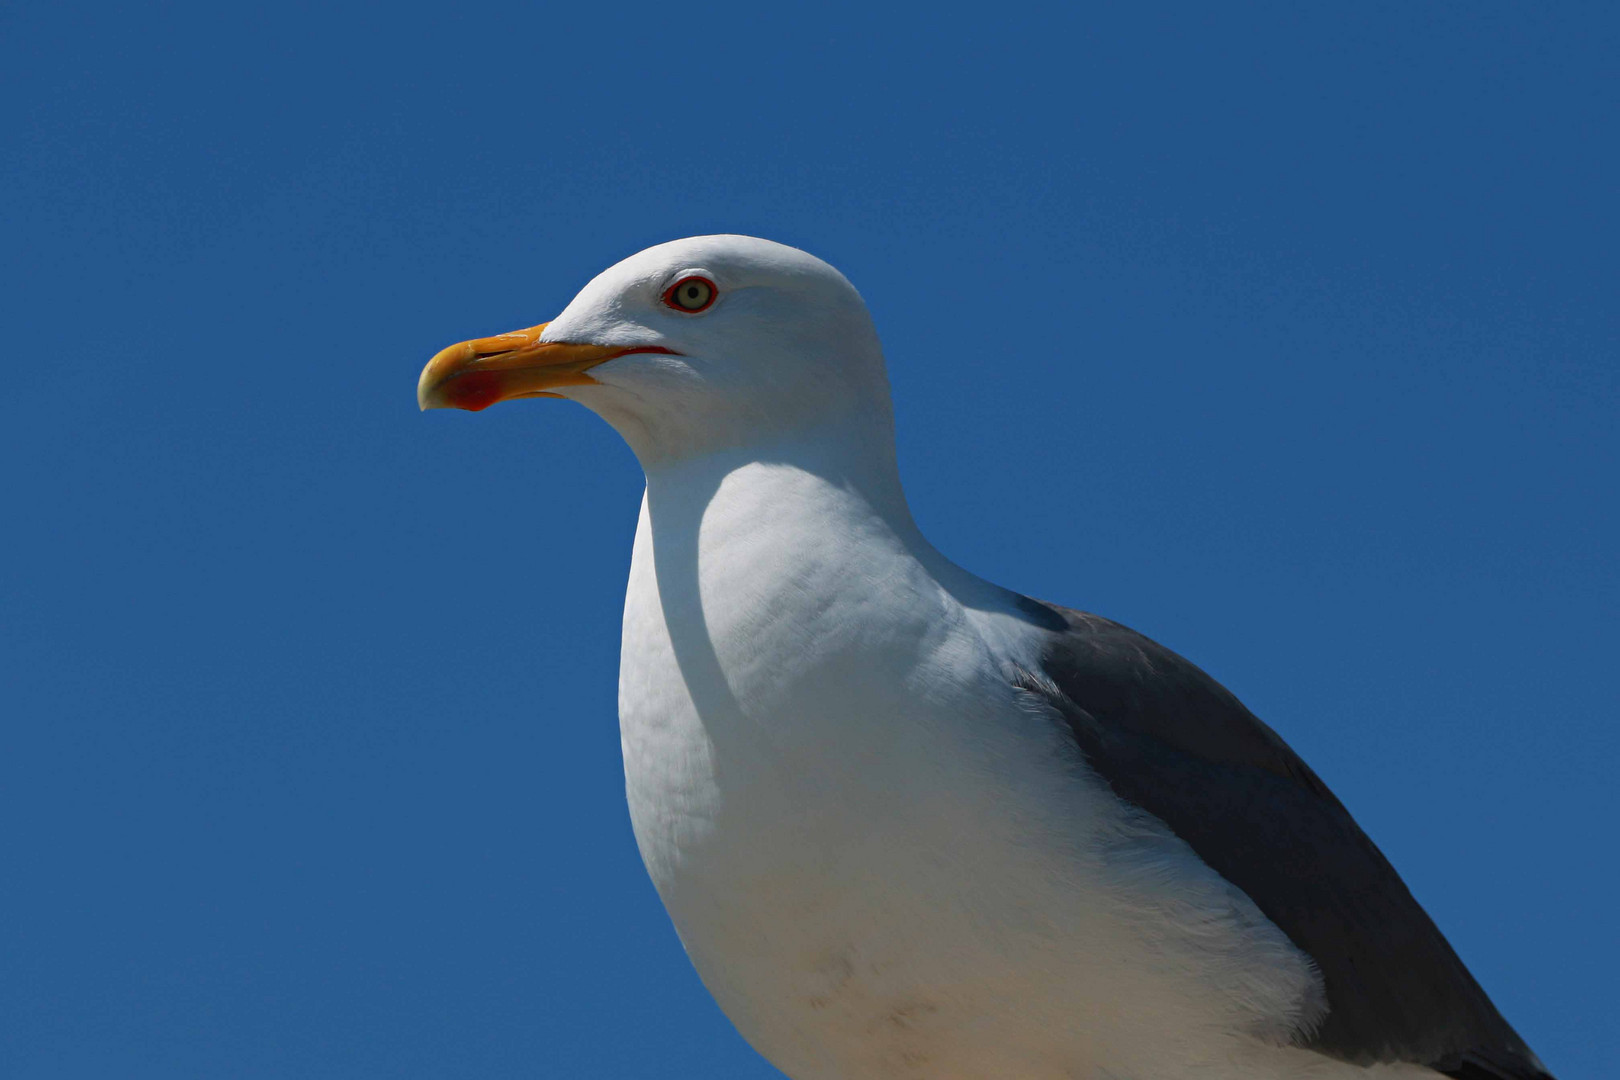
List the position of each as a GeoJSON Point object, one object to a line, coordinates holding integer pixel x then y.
{"type": "Point", "coordinates": [690, 294]}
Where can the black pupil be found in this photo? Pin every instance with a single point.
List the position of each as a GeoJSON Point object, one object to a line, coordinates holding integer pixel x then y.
{"type": "Point", "coordinates": [694, 294]}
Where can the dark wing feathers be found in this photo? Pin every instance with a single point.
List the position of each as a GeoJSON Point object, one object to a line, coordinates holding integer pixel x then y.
{"type": "Point", "coordinates": [1174, 742]}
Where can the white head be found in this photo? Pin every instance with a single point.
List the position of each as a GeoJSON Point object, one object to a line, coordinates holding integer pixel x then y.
{"type": "Point", "coordinates": [693, 346]}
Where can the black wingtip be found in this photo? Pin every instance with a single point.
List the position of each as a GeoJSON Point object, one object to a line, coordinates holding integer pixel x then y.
{"type": "Point", "coordinates": [1473, 1067]}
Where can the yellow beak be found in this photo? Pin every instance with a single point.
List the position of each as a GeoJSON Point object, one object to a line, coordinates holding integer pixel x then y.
{"type": "Point", "coordinates": [476, 374]}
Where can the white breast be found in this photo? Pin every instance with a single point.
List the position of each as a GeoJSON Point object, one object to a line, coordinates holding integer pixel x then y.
{"type": "Point", "coordinates": [880, 860]}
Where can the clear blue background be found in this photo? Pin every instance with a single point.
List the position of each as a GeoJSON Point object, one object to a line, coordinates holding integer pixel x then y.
{"type": "Point", "coordinates": [1288, 338]}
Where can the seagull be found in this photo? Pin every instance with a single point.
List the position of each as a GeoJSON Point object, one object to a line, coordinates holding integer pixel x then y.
{"type": "Point", "coordinates": [908, 823]}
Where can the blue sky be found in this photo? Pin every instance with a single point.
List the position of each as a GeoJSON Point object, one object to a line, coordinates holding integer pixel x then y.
{"type": "Point", "coordinates": [1287, 337]}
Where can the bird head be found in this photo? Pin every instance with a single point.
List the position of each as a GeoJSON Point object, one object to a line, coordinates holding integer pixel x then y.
{"type": "Point", "coordinates": [690, 346]}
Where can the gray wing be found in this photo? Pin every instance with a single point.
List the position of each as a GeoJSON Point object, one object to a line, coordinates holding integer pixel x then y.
{"type": "Point", "coordinates": [1174, 742]}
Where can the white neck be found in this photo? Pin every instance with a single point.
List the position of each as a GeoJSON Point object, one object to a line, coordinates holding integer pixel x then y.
{"type": "Point", "coordinates": [773, 550]}
{"type": "Point", "coordinates": [803, 548]}
{"type": "Point", "coordinates": [847, 453]}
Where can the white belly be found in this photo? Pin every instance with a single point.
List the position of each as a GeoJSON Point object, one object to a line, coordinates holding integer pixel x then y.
{"type": "Point", "coordinates": [882, 868]}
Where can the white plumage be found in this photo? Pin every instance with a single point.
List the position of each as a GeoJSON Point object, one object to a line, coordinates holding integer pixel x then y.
{"type": "Point", "coordinates": [881, 860]}
{"type": "Point", "coordinates": [885, 855]}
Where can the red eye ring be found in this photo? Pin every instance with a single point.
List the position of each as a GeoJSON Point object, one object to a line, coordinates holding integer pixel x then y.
{"type": "Point", "coordinates": [691, 294]}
